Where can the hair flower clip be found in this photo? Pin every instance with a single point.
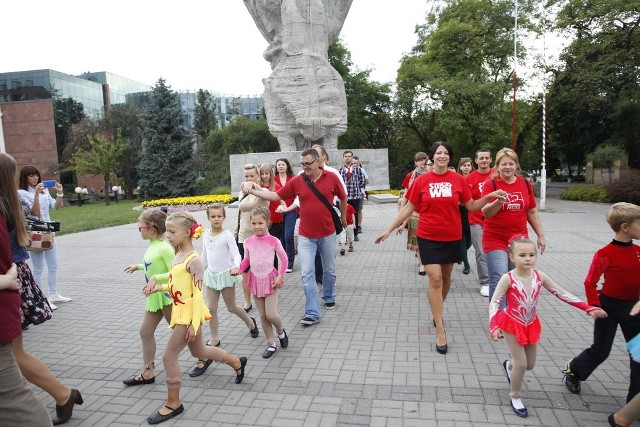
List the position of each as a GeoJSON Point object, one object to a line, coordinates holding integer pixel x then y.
{"type": "Point", "coordinates": [196, 230]}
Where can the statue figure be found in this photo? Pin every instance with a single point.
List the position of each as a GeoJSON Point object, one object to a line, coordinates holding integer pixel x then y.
{"type": "Point", "coordinates": [304, 96]}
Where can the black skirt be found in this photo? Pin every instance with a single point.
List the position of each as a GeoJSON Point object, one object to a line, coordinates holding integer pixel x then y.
{"type": "Point", "coordinates": [34, 306]}
{"type": "Point", "coordinates": [434, 252]}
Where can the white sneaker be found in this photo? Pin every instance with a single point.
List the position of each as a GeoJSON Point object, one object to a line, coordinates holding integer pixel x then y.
{"type": "Point", "coordinates": [58, 298]}
{"type": "Point", "coordinates": [484, 290]}
{"type": "Point", "coordinates": [53, 306]}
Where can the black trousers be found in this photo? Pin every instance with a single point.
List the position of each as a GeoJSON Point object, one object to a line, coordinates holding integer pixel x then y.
{"type": "Point", "coordinates": [604, 332]}
{"type": "Point", "coordinates": [356, 203]}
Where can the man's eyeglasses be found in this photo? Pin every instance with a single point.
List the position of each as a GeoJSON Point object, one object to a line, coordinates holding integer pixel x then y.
{"type": "Point", "coordinates": [307, 164]}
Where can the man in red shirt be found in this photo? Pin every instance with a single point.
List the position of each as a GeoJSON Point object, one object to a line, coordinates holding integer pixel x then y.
{"type": "Point", "coordinates": [476, 180]}
{"type": "Point", "coordinates": [317, 232]}
{"type": "Point", "coordinates": [619, 262]}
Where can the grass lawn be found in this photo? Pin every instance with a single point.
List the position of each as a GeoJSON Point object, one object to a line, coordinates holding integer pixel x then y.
{"type": "Point", "coordinates": [95, 215]}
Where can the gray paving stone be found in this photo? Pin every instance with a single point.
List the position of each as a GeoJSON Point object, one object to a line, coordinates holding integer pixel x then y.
{"type": "Point", "coordinates": [372, 361]}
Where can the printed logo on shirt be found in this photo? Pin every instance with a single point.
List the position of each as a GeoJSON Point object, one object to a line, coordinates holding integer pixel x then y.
{"type": "Point", "coordinates": [480, 185]}
{"type": "Point", "coordinates": [514, 202]}
{"type": "Point", "coordinates": [440, 189]}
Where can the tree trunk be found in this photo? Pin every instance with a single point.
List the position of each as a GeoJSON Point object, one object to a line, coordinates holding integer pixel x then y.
{"type": "Point", "coordinates": [106, 189]}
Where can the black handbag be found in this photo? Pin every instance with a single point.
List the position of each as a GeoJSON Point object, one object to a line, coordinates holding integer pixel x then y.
{"type": "Point", "coordinates": [337, 223]}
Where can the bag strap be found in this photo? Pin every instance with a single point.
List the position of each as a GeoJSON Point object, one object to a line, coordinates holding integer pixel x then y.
{"type": "Point", "coordinates": [318, 193]}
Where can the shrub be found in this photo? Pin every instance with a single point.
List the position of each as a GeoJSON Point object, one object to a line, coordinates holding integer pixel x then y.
{"type": "Point", "coordinates": [191, 200]}
{"type": "Point", "coordinates": [590, 193]}
{"type": "Point", "coordinates": [393, 192]}
{"type": "Point", "coordinates": [625, 189]}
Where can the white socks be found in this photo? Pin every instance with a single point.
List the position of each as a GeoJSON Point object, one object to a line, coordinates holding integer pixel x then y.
{"type": "Point", "coordinates": [517, 403]}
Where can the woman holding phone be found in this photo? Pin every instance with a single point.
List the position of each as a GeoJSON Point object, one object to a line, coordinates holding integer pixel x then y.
{"type": "Point", "coordinates": [35, 194]}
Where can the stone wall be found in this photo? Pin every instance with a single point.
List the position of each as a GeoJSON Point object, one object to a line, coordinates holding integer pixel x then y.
{"type": "Point", "coordinates": [374, 162]}
{"type": "Point", "coordinates": [29, 135]}
{"type": "Point", "coordinates": [600, 176]}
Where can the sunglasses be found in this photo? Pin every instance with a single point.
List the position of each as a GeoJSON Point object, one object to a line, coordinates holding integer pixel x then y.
{"type": "Point", "coordinates": [143, 227]}
{"type": "Point", "coordinates": [307, 164]}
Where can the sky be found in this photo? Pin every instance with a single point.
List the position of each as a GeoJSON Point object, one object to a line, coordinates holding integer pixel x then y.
{"type": "Point", "coordinates": [192, 44]}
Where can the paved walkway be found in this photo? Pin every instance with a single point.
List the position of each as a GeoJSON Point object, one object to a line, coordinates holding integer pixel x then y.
{"type": "Point", "coordinates": [372, 361]}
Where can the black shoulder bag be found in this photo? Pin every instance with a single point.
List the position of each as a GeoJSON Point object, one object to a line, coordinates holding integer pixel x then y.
{"type": "Point", "coordinates": [337, 223]}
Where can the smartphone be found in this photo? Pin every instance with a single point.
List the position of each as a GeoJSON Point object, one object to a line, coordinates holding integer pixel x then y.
{"type": "Point", "coordinates": [49, 184]}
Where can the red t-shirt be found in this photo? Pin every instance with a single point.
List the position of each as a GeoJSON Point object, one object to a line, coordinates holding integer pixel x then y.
{"type": "Point", "coordinates": [315, 219]}
{"type": "Point", "coordinates": [511, 219]}
{"type": "Point", "coordinates": [282, 184]}
{"type": "Point", "coordinates": [476, 180]}
{"type": "Point", "coordinates": [9, 299]}
{"type": "Point", "coordinates": [276, 217]}
{"type": "Point", "coordinates": [620, 264]}
{"type": "Point", "coordinates": [436, 198]}
{"type": "Point", "coordinates": [350, 213]}
{"type": "Point", "coordinates": [405, 181]}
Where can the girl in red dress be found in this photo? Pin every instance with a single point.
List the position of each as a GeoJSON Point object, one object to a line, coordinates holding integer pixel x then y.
{"type": "Point", "coordinates": [518, 323]}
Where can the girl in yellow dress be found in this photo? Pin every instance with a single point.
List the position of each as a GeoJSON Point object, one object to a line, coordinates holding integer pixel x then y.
{"type": "Point", "coordinates": [189, 312]}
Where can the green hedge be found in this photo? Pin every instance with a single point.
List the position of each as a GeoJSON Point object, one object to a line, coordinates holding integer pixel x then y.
{"type": "Point", "coordinates": [591, 193]}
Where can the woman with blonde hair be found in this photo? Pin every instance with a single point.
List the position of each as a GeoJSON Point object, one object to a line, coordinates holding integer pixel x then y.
{"type": "Point", "coordinates": [505, 218]}
{"type": "Point", "coordinates": [246, 204]}
{"type": "Point", "coordinates": [267, 181]}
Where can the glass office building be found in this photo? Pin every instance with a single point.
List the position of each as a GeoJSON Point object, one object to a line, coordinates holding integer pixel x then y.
{"type": "Point", "coordinates": [119, 87]}
{"type": "Point", "coordinates": [41, 84]}
{"type": "Point", "coordinates": [227, 108]}
{"type": "Point", "coordinates": [89, 90]}
{"type": "Point", "coordinates": [86, 89]}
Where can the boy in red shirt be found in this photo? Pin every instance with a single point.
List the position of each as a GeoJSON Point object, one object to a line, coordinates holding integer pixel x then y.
{"type": "Point", "coordinates": [347, 233]}
{"type": "Point", "coordinates": [619, 261]}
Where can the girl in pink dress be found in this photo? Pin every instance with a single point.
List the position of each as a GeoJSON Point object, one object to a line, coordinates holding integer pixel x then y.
{"type": "Point", "coordinates": [518, 323]}
{"type": "Point", "coordinates": [263, 279]}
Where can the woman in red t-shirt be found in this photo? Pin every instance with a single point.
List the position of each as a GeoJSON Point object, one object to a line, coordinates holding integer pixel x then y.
{"type": "Point", "coordinates": [505, 218]}
{"type": "Point", "coordinates": [436, 196]}
{"type": "Point", "coordinates": [284, 173]}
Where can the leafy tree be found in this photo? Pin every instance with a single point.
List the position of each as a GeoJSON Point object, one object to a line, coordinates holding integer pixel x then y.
{"type": "Point", "coordinates": [166, 165]}
{"type": "Point", "coordinates": [102, 158]}
{"type": "Point", "coordinates": [455, 83]}
{"type": "Point", "coordinates": [598, 84]}
{"type": "Point", "coordinates": [66, 113]}
{"type": "Point", "coordinates": [204, 115]}
{"type": "Point", "coordinates": [205, 120]}
{"type": "Point", "coordinates": [128, 120]}
{"type": "Point", "coordinates": [369, 104]}
{"type": "Point", "coordinates": [240, 136]}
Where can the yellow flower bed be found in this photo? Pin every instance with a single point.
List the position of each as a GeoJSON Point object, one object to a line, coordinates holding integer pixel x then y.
{"type": "Point", "coordinates": [394, 192]}
{"type": "Point", "coordinates": [225, 199]}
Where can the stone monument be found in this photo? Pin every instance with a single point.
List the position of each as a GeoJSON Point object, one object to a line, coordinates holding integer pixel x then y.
{"type": "Point", "coordinates": [304, 96]}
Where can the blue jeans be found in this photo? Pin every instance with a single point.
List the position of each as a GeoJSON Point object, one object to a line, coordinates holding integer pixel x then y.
{"type": "Point", "coordinates": [38, 259]}
{"type": "Point", "coordinates": [307, 249]}
{"type": "Point", "coordinates": [287, 239]}
{"type": "Point", "coordinates": [498, 264]}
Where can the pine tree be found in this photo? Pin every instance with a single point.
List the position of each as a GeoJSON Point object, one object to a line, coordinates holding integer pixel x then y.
{"type": "Point", "coordinates": [166, 166]}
